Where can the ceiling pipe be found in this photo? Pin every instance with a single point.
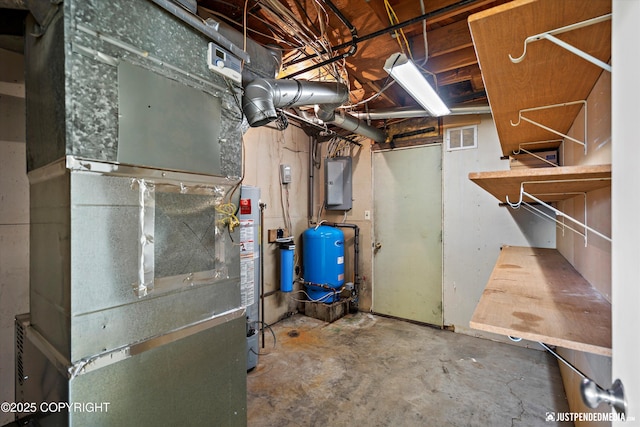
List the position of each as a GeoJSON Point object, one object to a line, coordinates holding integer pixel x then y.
{"type": "Point", "coordinates": [353, 43]}
{"type": "Point", "coordinates": [350, 123]}
{"type": "Point", "coordinates": [411, 112]}
{"type": "Point", "coordinates": [263, 96]}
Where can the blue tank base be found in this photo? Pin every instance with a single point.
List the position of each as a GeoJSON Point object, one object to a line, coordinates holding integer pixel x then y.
{"type": "Point", "coordinates": [321, 295]}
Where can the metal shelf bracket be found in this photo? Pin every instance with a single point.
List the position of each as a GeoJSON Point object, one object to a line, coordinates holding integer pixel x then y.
{"type": "Point", "coordinates": [550, 35]}
{"type": "Point", "coordinates": [557, 212]}
{"type": "Point", "coordinates": [521, 149]}
{"type": "Point", "coordinates": [547, 128]}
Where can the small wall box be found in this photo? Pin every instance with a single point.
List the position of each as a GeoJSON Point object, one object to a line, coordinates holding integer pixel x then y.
{"type": "Point", "coordinates": [285, 174]}
{"type": "Point", "coordinates": [222, 62]}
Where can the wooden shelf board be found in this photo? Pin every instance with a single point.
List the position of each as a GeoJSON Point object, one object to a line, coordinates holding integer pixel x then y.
{"type": "Point", "coordinates": [548, 74]}
{"type": "Point", "coordinates": [542, 182]}
{"type": "Point", "coordinates": [536, 294]}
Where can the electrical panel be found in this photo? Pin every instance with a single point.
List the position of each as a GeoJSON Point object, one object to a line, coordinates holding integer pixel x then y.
{"type": "Point", "coordinates": [338, 183]}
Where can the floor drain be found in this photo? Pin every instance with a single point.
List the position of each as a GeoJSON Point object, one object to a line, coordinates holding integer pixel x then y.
{"type": "Point", "coordinates": [294, 333]}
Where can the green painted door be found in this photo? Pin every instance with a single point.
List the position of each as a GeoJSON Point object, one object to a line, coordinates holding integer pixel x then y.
{"type": "Point", "coordinates": [407, 263]}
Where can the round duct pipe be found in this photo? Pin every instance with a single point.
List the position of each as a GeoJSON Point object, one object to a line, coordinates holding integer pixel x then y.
{"type": "Point", "coordinates": [411, 112]}
{"type": "Point", "coordinates": [352, 124]}
{"type": "Point", "coordinates": [263, 96]}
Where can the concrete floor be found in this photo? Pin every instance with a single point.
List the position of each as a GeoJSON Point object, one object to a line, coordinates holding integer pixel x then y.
{"type": "Point", "coordinates": [374, 371]}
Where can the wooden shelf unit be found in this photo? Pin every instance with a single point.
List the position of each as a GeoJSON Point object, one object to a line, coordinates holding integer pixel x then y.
{"type": "Point", "coordinates": [548, 74]}
{"type": "Point", "coordinates": [536, 294]}
{"type": "Point", "coordinates": [548, 184]}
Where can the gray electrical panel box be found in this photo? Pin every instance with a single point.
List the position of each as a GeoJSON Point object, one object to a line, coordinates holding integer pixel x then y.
{"type": "Point", "coordinates": [338, 183]}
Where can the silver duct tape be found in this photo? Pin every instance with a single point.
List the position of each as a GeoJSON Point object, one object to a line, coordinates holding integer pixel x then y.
{"type": "Point", "coordinates": [105, 359]}
{"type": "Point", "coordinates": [92, 363]}
{"type": "Point", "coordinates": [174, 283]}
{"type": "Point", "coordinates": [167, 180]}
{"type": "Point", "coordinates": [146, 253]}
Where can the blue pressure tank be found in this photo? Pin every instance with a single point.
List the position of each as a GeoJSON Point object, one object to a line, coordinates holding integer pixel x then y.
{"type": "Point", "coordinates": [323, 262]}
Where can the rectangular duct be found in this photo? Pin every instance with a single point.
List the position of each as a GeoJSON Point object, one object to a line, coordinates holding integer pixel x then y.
{"type": "Point", "coordinates": [134, 155]}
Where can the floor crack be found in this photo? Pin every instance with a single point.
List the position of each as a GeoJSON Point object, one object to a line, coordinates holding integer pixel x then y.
{"type": "Point", "coordinates": [522, 411]}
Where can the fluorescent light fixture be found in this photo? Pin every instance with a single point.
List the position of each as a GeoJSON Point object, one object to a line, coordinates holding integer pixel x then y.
{"type": "Point", "coordinates": [413, 81]}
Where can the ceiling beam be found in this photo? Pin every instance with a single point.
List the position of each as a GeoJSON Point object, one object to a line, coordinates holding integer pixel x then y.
{"type": "Point", "coordinates": [459, 75]}
{"type": "Point", "coordinates": [380, 11]}
{"type": "Point", "coordinates": [442, 41]}
{"type": "Point", "coordinates": [453, 60]}
{"type": "Point", "coordinates": [407, 9]}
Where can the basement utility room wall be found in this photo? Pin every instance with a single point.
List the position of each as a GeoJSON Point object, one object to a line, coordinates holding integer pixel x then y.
{"type": "Point", "coordinates": [476, 227]}
{"type": "Point", "coordinates": [14, 217]}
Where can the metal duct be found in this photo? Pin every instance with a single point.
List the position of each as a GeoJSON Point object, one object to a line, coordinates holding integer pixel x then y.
{"type": "Point", "coordinates": [263, 96]}
{"type": "Point", "coordinates": [208, 27]}
{"type": "Point", "coordinates": [350, 123]}
{"type": "Point", "coordinates": [405, 113]}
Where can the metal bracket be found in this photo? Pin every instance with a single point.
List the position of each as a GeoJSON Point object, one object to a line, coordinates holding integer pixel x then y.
{"type": "Point", "coordinates": [550, 35]}
{"type": "Point", "coordinates": [523, 194]}
{"type": "Point", "coordinates": [577, 141]}
{"type": "Point", "coordinates": [524, 150]}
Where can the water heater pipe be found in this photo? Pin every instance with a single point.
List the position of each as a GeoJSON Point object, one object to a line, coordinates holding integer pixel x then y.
{"type": "Point", "coordinates": [263, 206]}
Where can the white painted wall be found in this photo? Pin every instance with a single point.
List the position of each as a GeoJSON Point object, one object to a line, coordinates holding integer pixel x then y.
{"type": "Point", "coordinates": [14, 216]}
{"type": "Point", "coordinates": [475, 227]}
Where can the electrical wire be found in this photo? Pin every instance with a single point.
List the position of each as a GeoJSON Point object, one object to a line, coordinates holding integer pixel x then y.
{"type": "Point", "coordinates": [229, 218]}
{"type": "Point", "coordinates": [424, 35]}
{"type": "Point", "coordinates": [393, 20]}
{"type": "Point", "coordinates": [309, 299]}
{"type": "Point", "coordinates": [387, 85]}
{"type": "Point", "coordinates": [274, 37]}
{"type": "Point", "coordinates": [267, 326]}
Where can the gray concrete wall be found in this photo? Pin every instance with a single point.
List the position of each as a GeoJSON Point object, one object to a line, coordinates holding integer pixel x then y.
{"type": "Point", "coordinates": [475, 227]}
{"type": "Point", "coordinates": [14, 216]}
